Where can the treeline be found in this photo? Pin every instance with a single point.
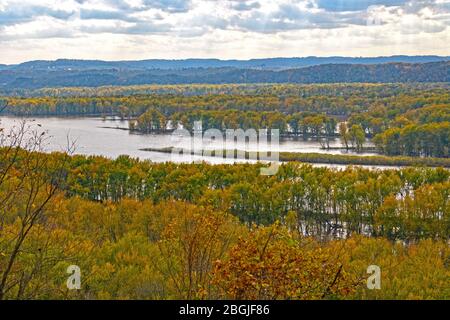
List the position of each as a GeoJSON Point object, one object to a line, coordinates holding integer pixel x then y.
{"type": "Point", "coordinates": [168, 104]}
{"type": "Point", "coordinates": [346, 90]}
{"type": "Point", "coordinates": [428, 140]}
{"type": "Point", "coordinates": [139, 230]}
{"type": "Point", "coordinates": [304, 124]}
{"type": "Point", "coordinates": [336, 99]}
{"type": "Point", "coordinates": [418, 129]}
{"type": "Point", "coordinates": [326, 202]}
{"type": "Point", "coordinates": [400, 113]}
{"type": "Point", "coordinates": [417, 133]}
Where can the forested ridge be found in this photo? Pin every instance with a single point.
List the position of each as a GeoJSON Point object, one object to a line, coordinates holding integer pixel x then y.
{"type": "Point", "coordinates": [268, 63]}
{"type": "Point", "coordinates": [329, 73]}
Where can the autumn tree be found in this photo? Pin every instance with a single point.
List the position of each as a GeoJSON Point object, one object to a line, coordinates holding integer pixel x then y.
{"type": "Point", "coordinates": [344, 134]}
{"type": "Point", "coordinates": [28, 183]}
{"type": "Point", "coordinates": [273, 264]}
{"type": "Point", "coordinates": [357, 137]}
{"type": "Point", "coordinates": [190, 243]}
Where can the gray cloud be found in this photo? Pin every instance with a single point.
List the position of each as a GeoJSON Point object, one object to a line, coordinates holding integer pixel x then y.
{"type": "Point", "coordinates": [414, 6]}
{"type": "Point", "coordinates": [120, 17]}
{"type": "Point", "coordinates": [289, 16]}
{"type": "Point", "coordinates": [172, 6]}
{"type": "Point", "coordinates": [104, 15]}
{"type": "Point", "coordinates": [244, 5]}
{"type": "Point", "coordinates": [169, 5]}
{"type": "Point", "coordinates": [356, 5]}
{"type": "Point", "coordinates": [19, 13]}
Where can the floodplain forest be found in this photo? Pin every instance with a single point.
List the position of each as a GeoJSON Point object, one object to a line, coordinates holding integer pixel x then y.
{"type": "Point", "coordinates": [144, 230]}
{"type": "Point", "coordinates": [141, 230]}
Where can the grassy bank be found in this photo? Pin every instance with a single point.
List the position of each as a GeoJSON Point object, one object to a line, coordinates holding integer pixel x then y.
{"type": "Point", "coordinates": [321, 158]}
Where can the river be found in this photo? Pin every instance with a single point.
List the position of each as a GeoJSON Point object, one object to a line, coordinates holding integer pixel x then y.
{"type": "Point", "coordinates": [110, 138]}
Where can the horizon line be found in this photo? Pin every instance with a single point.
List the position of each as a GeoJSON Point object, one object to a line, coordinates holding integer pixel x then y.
{"type": "Point", "coordinates": [226, 60]}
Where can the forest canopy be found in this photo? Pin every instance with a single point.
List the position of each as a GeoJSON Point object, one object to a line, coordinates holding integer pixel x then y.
{"type": "Point", "coordinates": [143, 230]}
{"type": "Point", "coordinates": [140, 230]}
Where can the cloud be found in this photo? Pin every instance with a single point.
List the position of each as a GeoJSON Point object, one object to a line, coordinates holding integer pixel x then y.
{"type": "Point", "coordinates": [86, 14]}
{"type": "Point", "coordinates": [295, 15]}
{"type": "Point", "coordinates": [245, 5]}
{"type": "Point", "coordinates": [164, 5]}
{"type": "Point", "coordinates": [356, 5]}
{"type": "Point", "coordinates": [179, 16]}
{"type": "Point", "coordinates": [237, 23]}
{"type": "Point", "coordinates": [168, 5]}
{"type": "Point", "coordinates": [20, 12]}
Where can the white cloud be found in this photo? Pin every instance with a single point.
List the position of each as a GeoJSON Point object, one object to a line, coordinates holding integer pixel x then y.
{"type": "Point", "coordinates": [135, 29]}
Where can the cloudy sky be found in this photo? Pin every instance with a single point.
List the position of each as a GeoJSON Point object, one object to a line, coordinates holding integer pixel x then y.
{"type": "Point", "coordinates": [236, 29]}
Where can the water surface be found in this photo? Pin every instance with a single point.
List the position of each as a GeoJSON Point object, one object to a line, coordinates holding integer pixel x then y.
{"type": "Point", "coordinates": [110, 138]}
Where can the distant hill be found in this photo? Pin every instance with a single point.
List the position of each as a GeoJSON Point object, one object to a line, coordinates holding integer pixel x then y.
{"type": "Point", "coordinates": [33, 78]}
{"type": "Point", "coordinates": [265, 64]}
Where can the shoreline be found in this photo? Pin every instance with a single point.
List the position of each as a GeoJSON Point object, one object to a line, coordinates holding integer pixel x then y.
{"type": "Point", "coordinates": [319, 158]}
